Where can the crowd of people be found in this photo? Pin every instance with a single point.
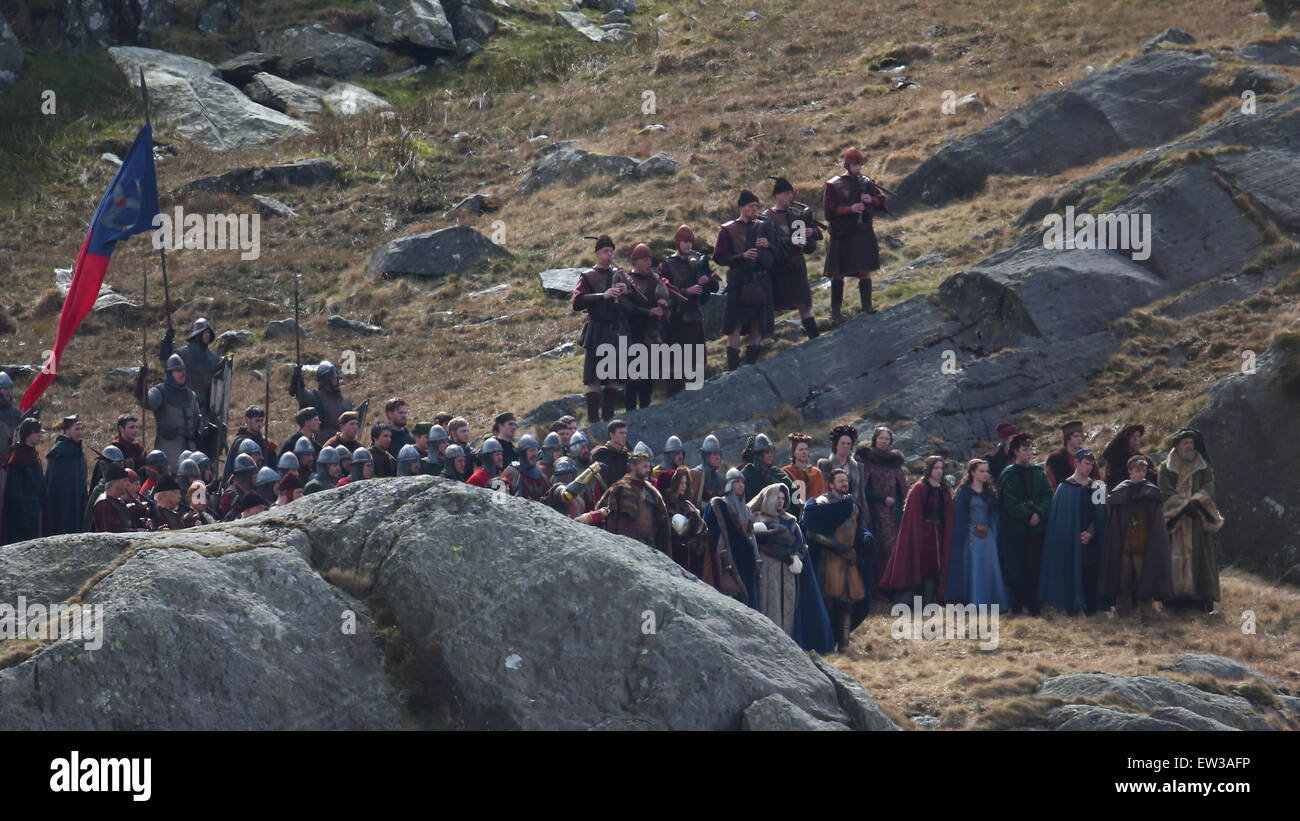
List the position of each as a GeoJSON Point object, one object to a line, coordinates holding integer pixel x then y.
{"type": "Point", "coordinates": [764, 254]}
{"type": "Point", "coordinates": [810, 544]}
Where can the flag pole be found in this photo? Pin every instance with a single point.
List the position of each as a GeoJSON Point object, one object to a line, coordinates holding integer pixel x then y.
{"type": "Point", "coordinates": [143, 381]}
{"type": "Point", "coordinates": [162, 250]}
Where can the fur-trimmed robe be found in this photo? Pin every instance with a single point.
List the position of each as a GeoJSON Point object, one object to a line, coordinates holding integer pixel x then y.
{"type": "Point", "coordinates": [1194, 539]}
{"type": "Point", "coordinates": [623, 514]}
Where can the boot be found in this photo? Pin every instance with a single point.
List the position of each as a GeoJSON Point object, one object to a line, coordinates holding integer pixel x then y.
{"type": "Point", "coordinates": [752, 353]}
{"type": "Point", "coordinates": [842, 615]}
{"type": "Point", "coordinates": [837, 299]}
{"type": "Point", "coordinates": [864, 291]}
{"type": "Point", "coordinates": [810, 327]}
{"type": "Point", "coordinates": [733, 358]}
{"type": "Point", "coordinates": [593, 407]}
{"type": "Point", "coordinates": [607, 402]}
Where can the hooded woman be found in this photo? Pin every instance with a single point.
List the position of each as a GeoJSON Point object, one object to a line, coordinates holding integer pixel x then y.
{"type": "Point", "coordinates": [919, 563]}
{"type": "Point", "coordinates": [885, 489]}
{"type": "Point", "coordinates": [691, 547]}
{"type": "Point", "coordinates": [1126, 444]}
{"type": "Point", "coordinates": [789, 593]}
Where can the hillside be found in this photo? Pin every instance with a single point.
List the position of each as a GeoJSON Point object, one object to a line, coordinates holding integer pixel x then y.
{"type": "Point", "coordinates": [739, 100]}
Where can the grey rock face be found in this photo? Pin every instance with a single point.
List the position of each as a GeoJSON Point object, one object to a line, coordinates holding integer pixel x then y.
{"type": "Point", "coordinates": [189, 95]}
{"type": "Point", "coordinates": [419, 23]}
{"type": "Point", "coordinates": [355, 326]}
{"type": "Point", "coordinates": [776, 713]}
{"type": "Point", "coordinates": [573, 165]}
{"type": "Point", "coordinates": [560, 282]}
{"type": "Point", "coordinates": [312, 171]}
{"type": "Point", "coordinates": [283, 95]}
{"type": "Point", "coordinates": [247, 640]}
{"type": "Point", "coordinates": [1152, 693]}
{"type": "Point", "coordinates": [1139, 103]}
{"type": "Point", "coordinates": [316, 48]}
{"type": "Point", "coordinates": [433, 254]}
{"type": "Point", "coordinates": [1173, 34]}
{"type": "Point", "coordinates": [89, 24]}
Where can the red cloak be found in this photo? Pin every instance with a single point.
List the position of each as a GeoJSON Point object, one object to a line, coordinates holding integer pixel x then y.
{"type": "Point", "coordinates": [909, 562]}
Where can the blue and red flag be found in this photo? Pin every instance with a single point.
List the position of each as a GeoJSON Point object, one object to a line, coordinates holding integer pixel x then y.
{"type": "Point", "coordinates": [128, 207]}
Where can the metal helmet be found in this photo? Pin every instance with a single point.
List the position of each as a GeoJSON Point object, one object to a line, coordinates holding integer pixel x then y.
{"type": "Point", "coordinates": [361, 455]}
{"type": "Point", "coordinates": [244, 462]}
{"type": "Point", "coordinates": [732, 476]}
{"type": "Point", "coordinates": [360, 458]}
{"type": "Point", "coordinates": [249, 447]}
{"type": "Point", "coordinates": [189, 469]}
{"type": "Point", "coordinates": [324, 370]}
{"type": "Point", "coordinates": [453, 452]}
{"type": "Point", "coordinates": [491, 445]}
{"type": "Point", "coordinates": [528, 441]}
{"type": "Point", "coordinates": [201, 459]}
{"type": "Point", "coordinates": [550, 446]}
{"type": "Point", "coordinates": [303, 445]}
{"type": "Point", "coordinates": [288, 461]}
{"type": "Point", "coordinates": [266, 476]}
{"type": "Point", "coordinates": [345, 455]}
{"type": "Point", "coordinates": [762, 443]}
{"type": "Point", "coordinates": [437, 434]}
{"type": "Point", "coordinates": [113, 454]}
{"type": "Point", "coordinates": [156, 458]}
{"type": "Point", "coordinates": [5, 380]}
{"type": "Point", "coordinates": [328, 456]}
{"type": "Point", "coordinates": [673, 445]}
{"type": "Point", "coordinates": [564, 466]}
{"type": "Point", "coordinates": [185, 454]}
{"type": "Point", "coordinates": [710, 445]}
{"type": "Point", "coordinates": [643, 448]}
{"type": "Point", "coordinates": [201, 326]}
{"type": "Point", "coordinates": [408, 453]}
{"type": "Point", "coordinates": [578, 441]}
{"type": "Point", "coordinates": [175, 363]}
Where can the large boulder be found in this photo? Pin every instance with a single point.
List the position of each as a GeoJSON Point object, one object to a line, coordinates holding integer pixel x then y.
{"type": "Point", "coordinates": [1251, 424]}
{"type": "Point", "coordinates": [311, 171]}
{"type": "Point", "coordinates": [198, 631]}
{"type": "Point", "coordinates": [1136, 104]}
{"type": "Point", "coordinates": [11, 57]}
{"type": "Point", "coordinates": [346, 99]}
{"type": "Point", "coordinates": [547, 624]}
{"type": "Point", "coordinates": [433, 254]}
{"type": "Point", "coordinates": [417, 23]}
{"type": "Point", "coordinates": [303, 49]}
{"type": "Point", "coordinates": [189, 95]}
{"type": "Point", "coordinates": [560, 282]}
{"type": "Point", "coordinates": [573, 165]}
{"type": "Point", "coordinates": [579, 22]}
{"type": "Point", "coordinates": [283, 95]}
{"type": "Point", "coordinates": [1156, 696]}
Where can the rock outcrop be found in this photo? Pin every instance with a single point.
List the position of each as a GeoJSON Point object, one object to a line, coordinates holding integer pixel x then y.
{"type": "Point", "coordinates": [547, 624]}
{"type": "Point", "coordinates": [191, 96]}
{"type": "Point", "coordinates": [432, 254]}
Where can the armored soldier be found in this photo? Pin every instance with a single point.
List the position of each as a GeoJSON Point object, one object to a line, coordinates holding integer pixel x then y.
{"type": "Point", "coordinates": [201, 365]}
{"type": "Point", "coordinates": [326, 398]}
{"type": "Point", "coordinates": [763, 471]}
{"type": "Point", "coordinates": [408, 461]}
{"type": "Point", "coordinates": [797, 235]}
{"type": "Point", "coordinates": [532, 484]}
{"type": "Point", "coordinates": [708, 481]}
{"type": "Point", "coordinates": [454, 465]}
{"type": "Point", "coordinates": [253, 430]}
{"type": "Point", "coordinates": [674, 456]}
{"type": "Point", "coordinates": [644, 304]}
{"type": "Point", "coordinates": [241, 483]}
{"type": "Point", "coordinates": [549, 452]}
{"type": "Point", "coordinates": [287, 464]}
{"type": "Point", "coordinates": [748, 247]}
{"type": "Point", "coordinates": [572, 492]}
{"type": "Point", "coordinates": [848, 201]}
{"type": "Point", "coordinates": [363, 467]}
{"type": "Point", "coordinates": [491, 472]}
{"type": "Point", "coordinates": [579, 450]}
{"type": "Point", "coordinates": [176, 412]}
{"type": "Point", "coordinates": [439, 441]}
{"type": "Point", "coordinates": [305, 452]}
{"type": "Point", "coordinates": [596, 293]}
{"type": "Point", "coordinates": [689, 281]}
{"type": "Point", "coordinates": [327, 472]}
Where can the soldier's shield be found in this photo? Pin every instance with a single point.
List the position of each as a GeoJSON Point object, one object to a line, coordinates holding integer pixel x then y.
{"type": "Point", "coordinates": [218, 408]}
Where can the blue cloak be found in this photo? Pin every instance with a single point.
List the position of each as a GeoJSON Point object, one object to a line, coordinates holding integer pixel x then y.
{"type": "Point", "coordinates": [742, 550]}
{"type": "Point", "coordinates": [1069, 574]}
{"type": "Point", "coordinates": [974, 572]}
{"type": "Point", "coordinates": [65, 488]}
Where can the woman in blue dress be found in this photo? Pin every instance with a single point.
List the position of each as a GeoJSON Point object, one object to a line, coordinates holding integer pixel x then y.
{"type": "Point", "coordinates": [974, 574]}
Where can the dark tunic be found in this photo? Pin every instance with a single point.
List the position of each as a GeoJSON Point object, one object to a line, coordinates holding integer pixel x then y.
{"type": "Point", "coordinates": [1135, 524]}
{"type": "Point", "coordinates": [385, 464]}
{"type": "Point", "coordinates": [686, 319]}
{"type": "Point", "coordinates": [329, 403]}
{"type": "Point", "coordinates": [605, 321]}
{"type": "Point", "coordinates": [65, 488]}
{"type": "Point", "coordinates": [401, 436]}
{"type": "Point", "coordinates": [790, 273]}
{"type": "Point", "coordinates": [24, 487]}
{"type": "Point", "coordinates": [113, 516]}
{"type": "Point", "coordinates": [852, 249]}
{"type": "Point", "coordinates": [614, 465]}
{"type": "Point", "coordinates": [734, 239]}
